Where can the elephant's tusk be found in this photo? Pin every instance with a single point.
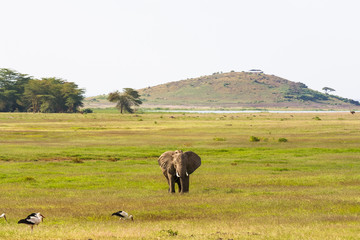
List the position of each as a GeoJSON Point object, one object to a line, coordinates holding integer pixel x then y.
{"type": "Point", "coordinates": [177, 174]}
{"type": "Point", "coordinates": [187, 174]}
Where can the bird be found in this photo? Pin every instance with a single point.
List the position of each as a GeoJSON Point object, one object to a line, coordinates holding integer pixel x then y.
{"type": "Point", "coordinates": [32, 219]}
{"type": "Point", "coordinates": [123, 215]}
{"type": "Point", "coordinates": [3, 216]}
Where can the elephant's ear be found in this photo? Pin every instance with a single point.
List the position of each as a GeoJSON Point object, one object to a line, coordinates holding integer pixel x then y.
{"type": "Point", "coordinates": [193, 161]}
{"type": "Point", "coordinates": [165, 158]}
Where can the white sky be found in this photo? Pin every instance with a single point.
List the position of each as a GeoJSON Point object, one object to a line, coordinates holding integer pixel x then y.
{"type": "Point", "coordinates": [107, 45]}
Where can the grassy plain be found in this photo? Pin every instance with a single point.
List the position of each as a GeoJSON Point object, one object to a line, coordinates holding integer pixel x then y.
{"type": "Point", "coordinates": [78, 169]}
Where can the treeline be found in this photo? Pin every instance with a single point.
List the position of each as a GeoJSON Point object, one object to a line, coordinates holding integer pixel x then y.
{"type": "Point", "coordinates": [22, 93]}
{"type": "Point", "coordinates": [300, 91]}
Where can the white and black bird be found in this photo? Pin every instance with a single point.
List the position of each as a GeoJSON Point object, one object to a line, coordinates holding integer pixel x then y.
{"type": "Point", "coordinates": [123, 215]}
{"type": "Point", "coordinates": [3, 216]}
{"type": "Point", "coordinates": [32, 219]}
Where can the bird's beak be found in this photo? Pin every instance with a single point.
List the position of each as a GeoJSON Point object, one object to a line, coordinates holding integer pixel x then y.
{"type": "Point", "coordinates": [5, 218]}
{"type": "Point", "coordinates": [42, 218]}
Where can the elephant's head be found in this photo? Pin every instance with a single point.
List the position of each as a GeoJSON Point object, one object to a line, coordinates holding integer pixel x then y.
{"type": "Point", "coordinates": [185, 163]}
{"type": "Point", "coordinates": [177, 166]}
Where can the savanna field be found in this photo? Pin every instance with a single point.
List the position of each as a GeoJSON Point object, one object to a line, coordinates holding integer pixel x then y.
{"type": "Point", "coordinates": [263, 175]}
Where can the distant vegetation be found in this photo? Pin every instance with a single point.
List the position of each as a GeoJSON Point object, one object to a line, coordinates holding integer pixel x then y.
{"type": "Point", "coordinates": [22, 93]}
{"type": "Point", "coordinates": [125, 100]}
{"type": "Point", "coordinates": [241, 90]}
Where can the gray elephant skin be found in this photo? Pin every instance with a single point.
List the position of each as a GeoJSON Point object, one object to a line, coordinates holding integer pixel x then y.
{"type": "Point", "coordinates": [177, 167]}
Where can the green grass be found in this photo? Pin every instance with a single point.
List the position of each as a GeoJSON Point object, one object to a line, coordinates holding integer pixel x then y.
{"type": "Point", "coordinates": [78, 169]}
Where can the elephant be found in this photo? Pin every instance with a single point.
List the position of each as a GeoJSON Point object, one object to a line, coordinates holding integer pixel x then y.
{"type": "Point", "coordinates": [177, 167]}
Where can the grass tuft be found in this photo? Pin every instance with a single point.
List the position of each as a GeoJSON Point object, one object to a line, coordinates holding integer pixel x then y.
{"type": "Point", "coordinates": [76, 160]}
{"type": "Point", "coordinates": [219, 139]}
{"type": "Point", "coordinates": [170, 232]}
{"type": "Point", "coordinates": [29, 179]}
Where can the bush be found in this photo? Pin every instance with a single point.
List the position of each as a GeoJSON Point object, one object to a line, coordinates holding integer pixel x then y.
{"type": "Point", "coordinates": [87, 110]}
{"type": "Point", "coordinates": [254, 139]}
{"type": "Point", "coordinates": [282, 140]}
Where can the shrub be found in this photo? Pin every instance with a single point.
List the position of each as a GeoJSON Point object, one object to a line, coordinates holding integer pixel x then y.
{"type": "Point", "coordinates": [254, 139]}
{"type": "Point", "coordinates": [282, 140]}
{"type": "Point", "coordinates": [87, 110]}
{"type": "Point", "coordinates": [317, 118]}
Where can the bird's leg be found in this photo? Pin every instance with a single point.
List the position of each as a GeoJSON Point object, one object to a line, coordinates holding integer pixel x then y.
{"type": "Point", "coordinates": [32, 228]}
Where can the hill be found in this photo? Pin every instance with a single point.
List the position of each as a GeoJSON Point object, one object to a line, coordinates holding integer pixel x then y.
{"type": "Point", "coordinates": [239, 90]}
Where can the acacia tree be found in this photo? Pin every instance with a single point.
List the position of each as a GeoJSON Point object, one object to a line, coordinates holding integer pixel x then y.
{"type": "Point", "coordinates": [53, 95]}
{"type": "Point", "coordinates": [73, 96]}
{"type": "Point", "coordinates": [327, 89]}
{"type": "Point", "coordinates": [33, 93]}
{"type": "Point", "coordinates": [19, 92]}
{"type": "Point", "coordinates": [11, 89]}
{"type": "Point", "coordinates": [126, 100]}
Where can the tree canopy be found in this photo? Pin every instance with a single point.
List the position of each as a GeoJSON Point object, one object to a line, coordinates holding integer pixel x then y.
{"type": "Point", "coordinates": [327, 89]}
{"type": "Point", "coordinates": [126, 100]}
{"type": "Point", "coordinates": [20, 92]}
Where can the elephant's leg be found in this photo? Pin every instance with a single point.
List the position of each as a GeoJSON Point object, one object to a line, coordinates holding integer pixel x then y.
{"type": "Point", "coordinates": [171, 184]}
{"type": "Point", "coordinates": [185, 181]}
{"type": "Point", "coordinates": [178, 183]}
{"type": "Point", "coordinates": [168, 182]}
